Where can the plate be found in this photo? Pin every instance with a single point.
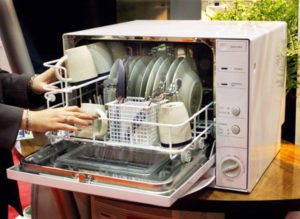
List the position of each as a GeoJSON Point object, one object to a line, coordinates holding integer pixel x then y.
{"type": "Point", "coordinates": [131, 62]}
{"type": "Point", "coordinates": [126, 65]}
{"type": "Point", "coordinates": [138, 84]}
{"type": "Point", "coordinates": [159, 61]}
{"type": "Point", "coordinates": [171, 71]}
{"type": "Point", "coordinates": [196, 96]}
{"type": "Point", "coordinates": [191, 91]}
{"type": "Point", "coordinates": [146, 77]}
{"type": "Point", "coordinates": [136, 75]}
{"type": "Point", "coordinates": [183, 67]}
{"type": "Point", "coordinates": [113, 75]}
{"type": "Point", "coordinates": [161, 72]}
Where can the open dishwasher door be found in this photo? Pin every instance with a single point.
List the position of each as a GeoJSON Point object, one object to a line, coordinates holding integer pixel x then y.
{"type": "Point", "coordinates": [121, 173]}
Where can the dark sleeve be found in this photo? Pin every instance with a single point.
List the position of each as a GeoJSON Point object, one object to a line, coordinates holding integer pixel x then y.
{"type": "Point", "coordinates": [15, 91]}
{"type": "Point", "coordinates": [14, 94]}
{"type": "Point", "coordinates": [10, 119]}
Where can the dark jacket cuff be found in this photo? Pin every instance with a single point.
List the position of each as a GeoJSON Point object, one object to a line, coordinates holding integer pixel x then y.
{"type": "Point", "coordinates": [17, 93]}
{"type": "Point", "coordinates": [10, 116]}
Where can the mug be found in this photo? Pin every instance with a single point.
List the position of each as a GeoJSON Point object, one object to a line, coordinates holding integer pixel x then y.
{"type": "Point", "coordinates": [79, 65]}
{"type": "Point", "coordinates": [102, 57]}
{"type": "Point", "coordinates": [174, 113]}
{"type": "Point", "coordinates": [99, 127]}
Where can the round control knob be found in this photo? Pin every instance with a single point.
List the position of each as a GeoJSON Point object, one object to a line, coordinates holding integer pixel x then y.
{"type": "Point", "coordinates": [235, 129]}
{"type": "Point", "coordinates": [231, 167]}
{"type": "Point", "coordinates": [235, 111]}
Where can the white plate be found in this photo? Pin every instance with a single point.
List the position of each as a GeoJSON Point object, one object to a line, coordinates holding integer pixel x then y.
{"type": "Point", "coordinates": [126, 66]}
{"type": "Point", "coordinates": [183, 67]}
{"type": "Point", "coordinates": [137, 75]}
{"type": "Point", "coordinates": [113, 75]}
{"type": "Point", "coordinates": [146, 77]}
{"type": "Point", "coordinates": [161, 72]}
{"type": "Point", "coordinates": [191, 92]}
{"type": "Point", "coordinates": [171, 71]}
{"type": "Point", "coordinates": [131, 62]}
{"type": "Point", "coordinates": [159, 61]}
{"type": "Point", "coordinates": [138, 83]}
{"type": "Point", "coordinates": [196, 96]}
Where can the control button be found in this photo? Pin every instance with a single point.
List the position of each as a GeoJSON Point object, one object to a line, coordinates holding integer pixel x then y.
{"type": "Point", "coordinates": [232, 46]}
{"type": "Point", "coordinates": [235, 111]}
{"type": "Point", "coordinates": [231, 167]}
{"type": "Point", "coordinates": [223, 46]}
{"type": "Point", "coordinates": [235, 129]}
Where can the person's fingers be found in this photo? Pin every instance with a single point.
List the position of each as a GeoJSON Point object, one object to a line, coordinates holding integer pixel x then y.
{"type": "Point", "coordinates": [73, 109]}
{"type": "Point", "coordinates": [79, 115]}
{"type": "Point", "coordinates": [84, 115]}
{"type": "Point", "coordinates": [49, 75]}
{"type": "Point", "coordinates": [78, 121]}
{"type": "Point", "coordinates": [67, 127]}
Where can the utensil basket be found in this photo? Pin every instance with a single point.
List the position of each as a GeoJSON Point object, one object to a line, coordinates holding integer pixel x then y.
{"type": "Point", "coordinates": [127, 121]}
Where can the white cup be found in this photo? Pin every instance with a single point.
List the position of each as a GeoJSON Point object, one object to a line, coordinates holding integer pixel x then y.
{"type": "Point", "coordinates": [174, 113]}
{"type": "Point", "coordinates": [79, 65]}
{"type": "Point", "coordinates": [99, 127]}
{"type": "Point", "coordinates": [102, 57]}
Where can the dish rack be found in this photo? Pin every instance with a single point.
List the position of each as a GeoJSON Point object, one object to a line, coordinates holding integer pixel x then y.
{"type": "Point", "coordinates": [133, 123]}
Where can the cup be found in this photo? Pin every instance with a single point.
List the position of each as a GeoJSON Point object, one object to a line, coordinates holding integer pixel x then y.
{"type": "Point", "coordinates": [79, 65]}
{"type": "Point", "coordinates": [99, 127]}
{"type": "Point", "coordinates": [102, 57]}
{"type": "Point", "coordinates": [174, 113]}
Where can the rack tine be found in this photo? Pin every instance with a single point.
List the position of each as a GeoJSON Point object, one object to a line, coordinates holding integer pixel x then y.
{"type": "Point", "coordinates": [95, 99]}
{"type": "Point", "coordinates": [100, 99]}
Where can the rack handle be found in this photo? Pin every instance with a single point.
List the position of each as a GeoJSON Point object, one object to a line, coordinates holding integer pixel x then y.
{"type": "Point", "coordinates": [59, 66]}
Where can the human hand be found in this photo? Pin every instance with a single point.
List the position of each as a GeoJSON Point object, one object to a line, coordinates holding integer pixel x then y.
{"type": "Point", "coordinates": [56, 119]}
{"type": "Point", "coordinates": [40, 82]}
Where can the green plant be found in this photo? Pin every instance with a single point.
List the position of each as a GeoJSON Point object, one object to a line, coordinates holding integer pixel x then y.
{"type": "Point", "coordinates": [270, 10]}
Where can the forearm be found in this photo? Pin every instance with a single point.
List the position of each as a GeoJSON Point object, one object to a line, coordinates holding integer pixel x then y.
{"type": "Point", "coordinates": [16, 91]}
{"type": "Point", "coordinates": [10, 120]}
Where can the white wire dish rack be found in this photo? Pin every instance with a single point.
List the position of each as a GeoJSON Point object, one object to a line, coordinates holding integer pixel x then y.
{"type": "Point", "coordinates": [132, 123]}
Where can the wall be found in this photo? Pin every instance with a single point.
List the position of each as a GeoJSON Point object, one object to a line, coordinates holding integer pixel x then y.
{"type": "Point", "coordinates": [3, 59]}
{"type": "Point", "coordinates": [185, 10]}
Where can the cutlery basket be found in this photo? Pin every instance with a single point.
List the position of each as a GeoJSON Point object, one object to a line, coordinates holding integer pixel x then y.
{"type": "Point", "coordinates": [130, 122]}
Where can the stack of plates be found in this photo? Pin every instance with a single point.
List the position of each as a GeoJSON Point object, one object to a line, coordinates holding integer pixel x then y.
{"type": "Point", "coordinates": [146, 74]}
